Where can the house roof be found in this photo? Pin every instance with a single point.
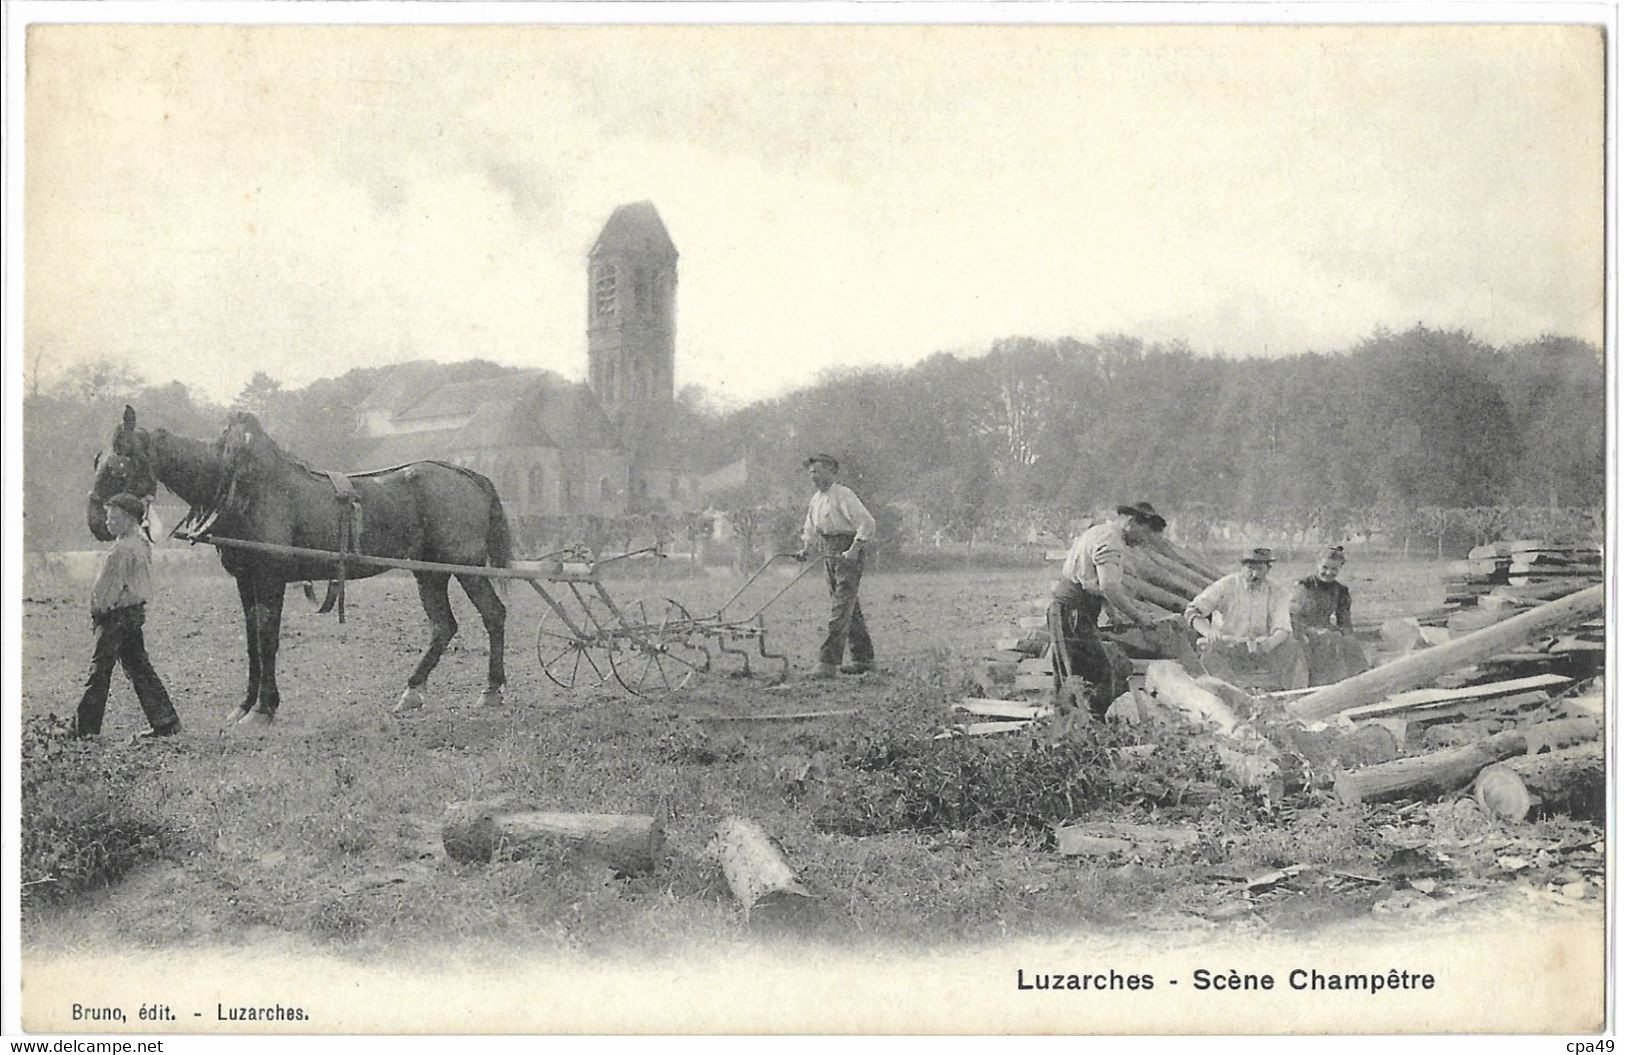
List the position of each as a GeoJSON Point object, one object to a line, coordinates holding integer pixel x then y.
{"type": "Point", "coordinates": [634, 228]}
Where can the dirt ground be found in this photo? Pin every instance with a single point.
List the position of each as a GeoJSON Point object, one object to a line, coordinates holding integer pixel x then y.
{"type": "Point", "coordinates": [325, 832]}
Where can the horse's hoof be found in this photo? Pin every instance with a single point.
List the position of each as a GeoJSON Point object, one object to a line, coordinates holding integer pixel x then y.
{"type": "Point", "coordinates": [237, 714]}
{"type": "Point", "coordinates": [411, 700]}
{"type": "Point", "coordinates": [492, 697]}
{"type": "Point", "coordinates": [253, 721]}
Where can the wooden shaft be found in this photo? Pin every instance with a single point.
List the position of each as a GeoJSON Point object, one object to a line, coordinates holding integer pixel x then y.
{"type": "Point", "coordinates": [1419, 668]}
{"type": "Point", "coordinates": [1440, 772]}
{"type": "Point", "coordinates": [366, 558]}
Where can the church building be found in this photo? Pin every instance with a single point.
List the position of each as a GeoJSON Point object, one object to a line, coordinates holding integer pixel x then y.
{"type": "Point", "coordinates": [555, 447]}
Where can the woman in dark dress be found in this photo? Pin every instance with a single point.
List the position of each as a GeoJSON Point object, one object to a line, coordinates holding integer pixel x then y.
{"type": "Point", "coordinates": [1321, 620]}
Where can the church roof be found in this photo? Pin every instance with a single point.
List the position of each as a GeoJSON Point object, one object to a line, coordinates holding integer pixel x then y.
{"type": "Point", "coordinates": [534, 409]}
{"type": "Point", "coordinates": [401, 387]}
{"type": "Point", "coordinates": [634, 228]}
{"type": "Point", "coordinates": [464, 397]}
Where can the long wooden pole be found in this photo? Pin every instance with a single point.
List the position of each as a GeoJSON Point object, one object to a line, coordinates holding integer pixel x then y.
{"type": "Point", "coordinates": [382, 562]}
{"type": "Point", "coordinates": [1419, 668]}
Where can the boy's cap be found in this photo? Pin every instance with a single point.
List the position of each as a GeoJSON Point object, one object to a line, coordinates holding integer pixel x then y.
{"type": "Point", "coordinates": [127, 502]}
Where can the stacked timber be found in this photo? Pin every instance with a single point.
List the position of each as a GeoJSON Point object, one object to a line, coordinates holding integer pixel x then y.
{"type": "Point", "coordinates": [1486, 567]}
{"type": "Point", "coordinates": [1523, 747]}
{"type": "Point", "coordinates": [1521, 573]}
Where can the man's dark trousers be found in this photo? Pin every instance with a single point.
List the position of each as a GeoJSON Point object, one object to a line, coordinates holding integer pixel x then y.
{"type": "Point", "coordinates": [119, 641]}
{"type": "Point", "coordinates": [845, 613]}
{"type": "Point", "coordinates": [1076, 650]}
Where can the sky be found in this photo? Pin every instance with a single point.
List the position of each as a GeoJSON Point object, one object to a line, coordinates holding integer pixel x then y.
{"type": "Point", "coordinates": [205, 202]}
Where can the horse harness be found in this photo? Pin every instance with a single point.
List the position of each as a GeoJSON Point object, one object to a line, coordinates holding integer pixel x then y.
{"type": "Point", "coordinates": [350, 524]}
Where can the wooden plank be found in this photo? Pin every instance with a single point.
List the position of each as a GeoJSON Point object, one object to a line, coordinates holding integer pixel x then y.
{"type": "Point", "coordinates": [1089, 840]}
{"type": "Point", "coordinates": [1034, 682]}
{"type": "Point", "coordinates": [1431, 697]}
{"type": "Point", "coordinates": [1032, 622]}
{"type": "Point", "coordinates": [796, 716]}
{"type": "Point", "coordinates": [1035, 666]}
{"type": "Point", "coordinates": [981, 729]}
{"type": "Point", "coordinates": [986, 708]}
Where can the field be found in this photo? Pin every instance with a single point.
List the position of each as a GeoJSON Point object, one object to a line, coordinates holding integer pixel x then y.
{"type": "Point", "coordinates": [324, 834]}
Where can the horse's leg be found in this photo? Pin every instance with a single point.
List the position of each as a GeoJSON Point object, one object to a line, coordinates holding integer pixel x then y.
{"type": "Point", "coordinates": [442, 626]}
{"type": "Point", "coordinates": [268, 597]}
{"type": "Point", "coordinates": [245, 593]}
{"type": "Point", "coordinates": [494, 614]}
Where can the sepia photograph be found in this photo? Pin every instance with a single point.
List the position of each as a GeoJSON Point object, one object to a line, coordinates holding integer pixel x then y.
{"type": "Point", "coordinates": [553, 519]}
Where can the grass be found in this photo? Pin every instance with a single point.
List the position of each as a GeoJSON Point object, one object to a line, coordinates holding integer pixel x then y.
{"type": "Point", "coordinates": [326, 831]}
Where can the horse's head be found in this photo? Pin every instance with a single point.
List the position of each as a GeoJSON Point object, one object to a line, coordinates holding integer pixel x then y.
{"type": "Point", "coordinates": [244, 448]}
{"type": "Point", "coordinates": [127, 466]}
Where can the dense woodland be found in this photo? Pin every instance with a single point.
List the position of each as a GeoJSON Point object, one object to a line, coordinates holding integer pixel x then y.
{"type": "Point", "coordinates": [1427, 434]}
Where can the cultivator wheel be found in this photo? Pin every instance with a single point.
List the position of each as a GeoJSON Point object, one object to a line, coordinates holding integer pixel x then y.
{"type": "Point", "coordinates": [571, 660]}
{"type": "Point", "coordinates": [657, 647]}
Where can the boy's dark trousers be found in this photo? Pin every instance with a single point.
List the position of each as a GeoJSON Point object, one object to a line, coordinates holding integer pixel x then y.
{"type": "Point", "coordinates": [119, 641]}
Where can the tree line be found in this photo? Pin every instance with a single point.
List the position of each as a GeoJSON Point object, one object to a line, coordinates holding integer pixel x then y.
{"type": "Point", "coordinates": [1416, 434]}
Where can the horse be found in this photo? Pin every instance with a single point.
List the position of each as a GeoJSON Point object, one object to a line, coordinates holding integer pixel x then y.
{"type": "Point", "coordinates": [245, 487]}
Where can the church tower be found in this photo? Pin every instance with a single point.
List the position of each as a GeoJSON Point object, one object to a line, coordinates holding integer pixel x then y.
{"type": "Point", "coordinates": [631, 313]}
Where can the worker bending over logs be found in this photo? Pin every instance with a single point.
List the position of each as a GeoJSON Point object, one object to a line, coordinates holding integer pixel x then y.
{"type": "Point", "coordinates": [1322, 620]}
{"type": "Point", "coordinates": [1246, 626]}
{"type": "Point", "coordinates": [1091, 578]}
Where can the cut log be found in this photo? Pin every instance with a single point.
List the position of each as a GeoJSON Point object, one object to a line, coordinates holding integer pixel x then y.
{"type": "Point", "coordinates": [1241, 702]}
{"type": "Point", "coordinates": [1489, 549]}
{"type": "Point", "coordinates": [1168, 682]}
{"type": "Point", "coordinates": [1402, 635]}
{"type": "Point", "coordinates": [1419, 668]}
{"type": "Point", "coordinates": [1570, 782]}
{"type": "Point", "coordinates": [1185, 557]}
{"type": "Point", "coordinates": [1190, 579]}
{"type": "Point", "coordinates": [1442, 772]}
{"type": "Point", "coordinates": [759, 874]}
{"type": "Point", "coordinates": [1154, 596]}
{"type": "Point", "coordinates": [475, 831]}
{"type": "Point", "coordinates": [1161, 572]}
